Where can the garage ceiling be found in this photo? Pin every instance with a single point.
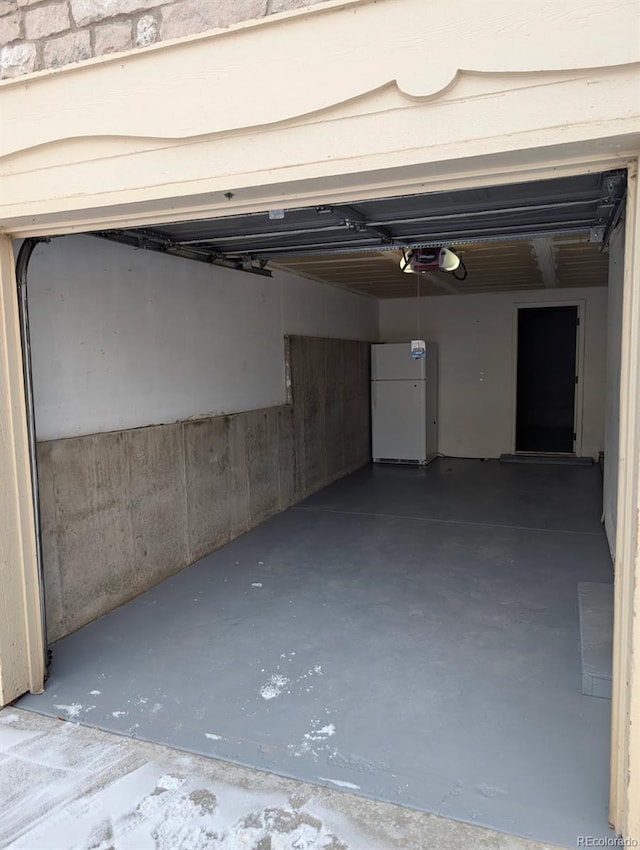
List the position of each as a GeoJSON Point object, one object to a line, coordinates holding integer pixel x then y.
{"type": "Point", "coordinates": [520, 236]}
{"type": "Point", "coordinates": [491, 266]}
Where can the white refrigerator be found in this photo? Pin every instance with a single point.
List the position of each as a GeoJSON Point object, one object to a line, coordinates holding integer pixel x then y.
{"type": "Point", "coordinates": [404, 399]}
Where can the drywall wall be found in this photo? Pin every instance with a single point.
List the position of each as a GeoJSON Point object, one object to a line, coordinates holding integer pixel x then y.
{"type": "Point", "coordinates": [123, 338]}
{"type": "Point", "coordinates": [612, 400]}
{"type": "Point", "coordinates": [477, 346]}
{"type": "Point", "coordinates": [310, 308]}
{"type": "Point", "coordinates": [122, 511]}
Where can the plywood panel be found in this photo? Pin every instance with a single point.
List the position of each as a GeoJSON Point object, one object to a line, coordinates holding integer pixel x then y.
{"type": "Point", "coordinates": [491, 267]}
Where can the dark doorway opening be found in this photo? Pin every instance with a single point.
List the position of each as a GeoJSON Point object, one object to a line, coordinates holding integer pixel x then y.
{"type": "Point", "coordinates": [546, 383]}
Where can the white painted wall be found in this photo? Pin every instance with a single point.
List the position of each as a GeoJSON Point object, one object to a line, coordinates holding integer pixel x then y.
{"type": "Point", "coordinates": [476, 341]}
{"type": "Point", "coordinates": [123, 338]}
{"type": "Point", "coordinates": [612, 407]}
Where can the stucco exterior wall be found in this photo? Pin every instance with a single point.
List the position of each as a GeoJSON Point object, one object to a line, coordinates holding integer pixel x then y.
{"type": "Point", "coordinates": [40, 34]}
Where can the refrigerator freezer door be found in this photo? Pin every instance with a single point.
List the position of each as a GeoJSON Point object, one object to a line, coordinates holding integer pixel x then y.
{"type": "Point", "coordinates": [399, 420]}
{"type": "Point", "coordinates": [393, 362]}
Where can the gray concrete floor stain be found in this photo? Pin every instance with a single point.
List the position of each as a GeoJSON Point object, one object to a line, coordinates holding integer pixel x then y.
{"type": "Point", "coordinates": [408, 635]}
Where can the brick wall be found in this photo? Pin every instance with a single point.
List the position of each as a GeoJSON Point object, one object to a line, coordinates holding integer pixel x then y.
{"type": "Point", "coordinates": [40, 34]}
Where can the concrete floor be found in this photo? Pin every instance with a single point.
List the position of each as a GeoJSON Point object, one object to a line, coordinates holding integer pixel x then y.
{"type": "Point", "coordinates": [408, 635]}
{"type": "Point", "coordinates": [67, 787]}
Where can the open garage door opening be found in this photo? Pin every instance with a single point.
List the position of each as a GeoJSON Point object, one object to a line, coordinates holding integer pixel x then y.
{"type": "Point", "coordinates": [227, 572]}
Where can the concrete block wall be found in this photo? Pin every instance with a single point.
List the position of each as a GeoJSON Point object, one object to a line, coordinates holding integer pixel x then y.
{"type": "Point", "coordinates": [124, 510]}
{"type": "Point", "coordinates": [40, 34]}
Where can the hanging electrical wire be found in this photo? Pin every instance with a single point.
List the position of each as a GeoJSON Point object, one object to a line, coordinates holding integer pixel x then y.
{"type": "Point", "coordinates": [418, 335]}
{"type": "Point", "coordinates": [462, 268]}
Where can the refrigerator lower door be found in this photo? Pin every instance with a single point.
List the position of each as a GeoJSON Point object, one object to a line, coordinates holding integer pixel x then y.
{"type": "Point", "coordinates": [399, 421]}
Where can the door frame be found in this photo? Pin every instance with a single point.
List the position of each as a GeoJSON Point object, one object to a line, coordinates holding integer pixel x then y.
{"type": "Point", "coordinates": [624, 793]}
{"type": "Point", "coordinates": [581, 305]}
{"type": "Point", "coordinates": [21, 616]}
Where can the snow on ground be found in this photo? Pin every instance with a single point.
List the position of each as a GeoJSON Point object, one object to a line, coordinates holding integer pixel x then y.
{"type": "Point", "coordinates": [86, 791]}
{"type": "Point", "coordinates": [314, 742]}
{"type": "Point", "coordinates": [274, 686]}
{"type": "Point", "coordinates": [340, 783]}
{"type": "Point", "coordinates": [70, 710]}
{"type": "Point", "coordinates": [69, 787]}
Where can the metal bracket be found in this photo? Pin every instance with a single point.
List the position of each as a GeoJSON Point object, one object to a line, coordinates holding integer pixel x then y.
{"type": "Point", "coordinates": [354, 220]}
{"type": "Point", "coordinates": [613, 186]}
{"type": "Point", "coordinates": [615, 218]}
{"type": "Point", "coordinates": [614, 191]}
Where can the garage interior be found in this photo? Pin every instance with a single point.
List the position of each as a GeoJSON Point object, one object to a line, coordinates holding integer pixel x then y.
{"type": "Point", "coordinates": [225, 570]}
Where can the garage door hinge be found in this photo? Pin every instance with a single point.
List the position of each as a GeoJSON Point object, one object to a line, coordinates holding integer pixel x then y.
{"type": "Point", "coordinates": [576, 379]}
